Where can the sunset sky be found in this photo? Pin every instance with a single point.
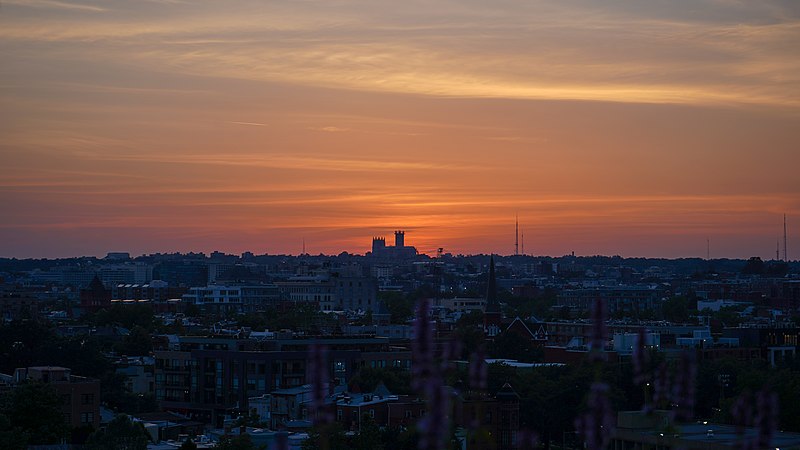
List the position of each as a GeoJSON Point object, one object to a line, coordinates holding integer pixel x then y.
{"type": "Point", "coordinates": [637, 128]}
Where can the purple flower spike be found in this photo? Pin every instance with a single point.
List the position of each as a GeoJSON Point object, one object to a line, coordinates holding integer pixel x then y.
{"type": "Point", "coordinates": [451, 351]}
{"type": "Point", "coordinates": [597, 423]}
{"type": "Point", "coordinates": [742, 412]}
{"type": "Point", "coordinates": [527, 440]}
{"type": "Point", "coordinates": [766, 417]}
{"type": "Point", "coordinates": [281, 441]}
{"type": "Point", "coordinates": [640, 359]}
{"type": "Point", "coordinates": [435, 425]}
{"type": "Point", "coordinates": [684, 388]}
{"type": "Point", "coordinates": [422, 358]}
{"type": "Point", "coordinates": [318, 377]}
{"type": "Point", "coordinates": [597, 341]}
{"type": "Point", "coordinates": [661, 384]}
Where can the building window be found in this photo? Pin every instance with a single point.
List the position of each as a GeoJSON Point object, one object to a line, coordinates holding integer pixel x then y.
{"type": "Point", "coordinates": [87, 399]}
{"type": "Point", "coordinates": [87, 417]}
{"type": "Point", "coordinates": [372, 413]}
{"type": "Point", "coordinates": [339, 415]}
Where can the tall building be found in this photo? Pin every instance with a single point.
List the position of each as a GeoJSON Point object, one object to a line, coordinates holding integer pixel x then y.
{"type": "Point", "coordinates": [95, 297]}
{"type": "Point", "coordinates": [378, 245]}
{"type": "Point", "coordinates": [399, 251]}
{"type": "Point", "coordinates": [399, 239]}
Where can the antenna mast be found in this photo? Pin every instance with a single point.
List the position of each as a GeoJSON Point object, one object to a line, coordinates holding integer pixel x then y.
{"type": "Point", "coordinates": [785, 253]}
{"type": "Point", "coordinates": [516, 235]}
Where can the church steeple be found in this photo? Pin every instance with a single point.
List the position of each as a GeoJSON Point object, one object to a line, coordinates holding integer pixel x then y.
{"type": "Point", "coordinates": [492, 317]}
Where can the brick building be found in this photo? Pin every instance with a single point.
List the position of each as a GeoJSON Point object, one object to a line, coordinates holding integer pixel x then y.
{"type": "Point", "coordinates": [80, 396]}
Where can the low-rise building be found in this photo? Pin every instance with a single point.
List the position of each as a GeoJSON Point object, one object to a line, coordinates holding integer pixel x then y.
{"type": "Point", "coordinates": [210, 378]}
{"type": "Point", "coordinates": [352, 407]}
{"type": "Point", "coordinates": [80, 396]}
{"type": "Point", "coordinates": [139, 373]}
{"type": "Point", "coordinates": [221, 300]}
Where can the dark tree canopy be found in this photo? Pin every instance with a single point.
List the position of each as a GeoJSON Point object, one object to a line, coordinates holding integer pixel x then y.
{"type": "Point", "coordinates": [121, 433]}
{"type": "Point", "coordinates": [240, 442]}
{"type": "Point", "coordinates": [33, 410]}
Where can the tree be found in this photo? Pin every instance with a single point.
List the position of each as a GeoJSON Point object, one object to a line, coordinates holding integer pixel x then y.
{"type": "Point", "coordinates": [137, 343]}
{"type": "Point", "coordinates": [240, 442]}
{"type": "Point", "coordinates": [727, 317]}
{"type": "Point", "coordinates": [469, 332]}
{"type": "Point", "coordinates": [192, 310]}
{"type": "Point", "coordinates": [365, 319]}
{"type": "Point", "coordinates": [12, 438]}
{"type": "Point", "coordinates": [188, 444]}
{"type": "Point", "coordinates": [34, 408]}
{"type": "Point", "coordinates": [369, 438]}
{"type": "Point", "coordinates": [121, 433]}
{"type": "Point", "coordinates": [251, 420]}
{"type": "Point", "coordinates": [303, 317]}
{"type": "Point", "coordinates": [511, 345]}
{"type": "Point", "coordinates": [400, 308]}
{"type": "Point", "coordinates": [676, 309]}
{"type": "Point", "coordinates": [79, 435]}
{"type": "Point", "coordinates": [777, 268]}
{"type": "Point", "coordinates": [395, 438]}
{"type": "Point", "coordinates": [127, 316]}
{"type": "Point", "coordinates": [327, 437]}
{"type": "Point", "coordinates": [256, 322]}
{"type": "Point", "coordinates": [21, 342]}
{"type": "Point", "coordinates": [754, 266]}
{"type": "Point", "coordinates": [397, 380]}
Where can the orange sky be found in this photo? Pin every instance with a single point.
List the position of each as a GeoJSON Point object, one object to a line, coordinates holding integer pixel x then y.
{"type": "Point", "coordinates": [638, 128]}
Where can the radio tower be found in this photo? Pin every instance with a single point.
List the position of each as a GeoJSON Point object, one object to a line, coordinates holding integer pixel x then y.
{"type": "Point", "coordinates": [516, 235]}
{"type": "Point", "coordinates": [785, 253]}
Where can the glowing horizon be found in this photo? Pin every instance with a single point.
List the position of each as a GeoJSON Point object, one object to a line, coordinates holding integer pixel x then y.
{"type": "Point", "coordinates": [160, 126]}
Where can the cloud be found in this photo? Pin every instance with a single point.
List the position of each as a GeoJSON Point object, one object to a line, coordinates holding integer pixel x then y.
{"type": "Point", "coordinates": [255, 124]}
{"type": "Point", "coordinates": [355, 117]}
{"type": "Point", "coordinates": [55, 4]}
{"type": "Point", "coordinates": [332, 129]}
{"type": "Point", "coordinates": [575, 51]}
{"type": "Point", "coordinates": [316, 163]}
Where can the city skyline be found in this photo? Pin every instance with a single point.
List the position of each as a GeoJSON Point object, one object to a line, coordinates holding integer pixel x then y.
{"type": "Point", "coordinates": [781, 252]}
{"type": "Point", "coordinates": [658, 129]}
